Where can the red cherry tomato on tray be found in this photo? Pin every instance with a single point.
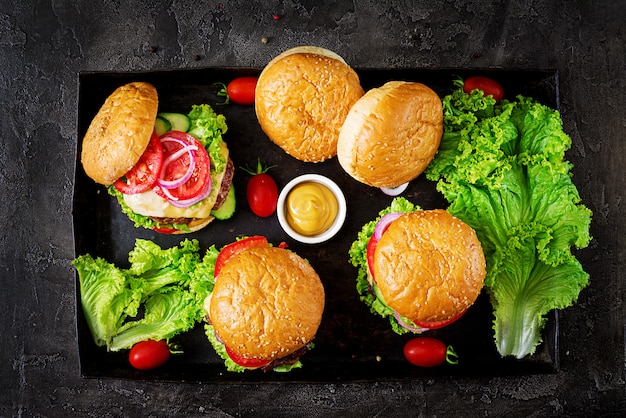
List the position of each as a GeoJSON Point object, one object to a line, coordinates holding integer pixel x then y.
{"type": "Point", "coordinates": [241, 90]}
{"type": "Point", "coordinates": [146, 171]}
{"type": "Point", "coordinates": [261, 192]}
{"type": "Point", "coordinates": [487, 85]}
{"type": "Point", "coordinates": [150, 354]}
{"type": "Point", "coordinates": [428, 352]}
{"type": "Point", "coordinates": [246, 362]}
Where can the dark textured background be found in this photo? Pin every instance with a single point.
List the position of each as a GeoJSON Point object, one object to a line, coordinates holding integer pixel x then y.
{"type": "Point", "coordinates": [43, 47]}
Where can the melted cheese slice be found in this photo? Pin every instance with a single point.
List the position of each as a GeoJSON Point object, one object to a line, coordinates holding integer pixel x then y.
{"type": "Point", "coordinates": [151, 204]}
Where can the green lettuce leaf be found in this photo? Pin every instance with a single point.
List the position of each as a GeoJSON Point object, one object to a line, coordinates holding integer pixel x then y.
{"type": "Point", "coordinates": [166, 314]}
{"type": "Point", "coordinates": [502, 167]}
{"type": "Point", "coordinates": [105, 296]}
{"type": "Point", "coordinates": [158, 296]}
{"type": "Point", "coordinates": [209, 127]}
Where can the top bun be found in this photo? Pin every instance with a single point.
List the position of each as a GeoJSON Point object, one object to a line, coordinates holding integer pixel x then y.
{"type": "Point", "coordinates": [120, 132]}
{"type": "Point", "coordinates": [391, 134]}
{"type": "Point", "coordinates": [267, 303]}
{"type": "Point", "coordinates": [429, 266]}
{"type": "Point", "coordinates": [302, 98]}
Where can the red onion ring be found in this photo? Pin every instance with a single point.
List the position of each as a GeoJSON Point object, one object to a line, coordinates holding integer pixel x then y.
{"type": "Point", "coordinates": [192, 201]}
{"type": "Point", "coordinates": [384, 222]}
{"type": "Point", "coordinates": [405, 325]}
{"type": "Point", "coordinates": [186, 148]}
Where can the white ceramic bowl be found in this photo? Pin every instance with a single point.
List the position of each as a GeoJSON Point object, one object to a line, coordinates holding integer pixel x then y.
{"type": "Point", "coordinates": [339, 219]}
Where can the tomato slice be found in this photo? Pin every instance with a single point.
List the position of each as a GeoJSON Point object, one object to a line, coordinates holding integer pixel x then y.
{"type": "Point", "coordinates": [164, 230]}
{"type": "Point", "coordinates": [144, 175]}
{"type": "Point", "coordinates": [438, 324]}
{"type": "Point", "coordinates": [250, 363]}
{"type": "Point", "coordinates": [371, 248]}
{"type": "Point", "coordinates": [177, 168]}
{"type": "Point", "coordinates": [232, 249]}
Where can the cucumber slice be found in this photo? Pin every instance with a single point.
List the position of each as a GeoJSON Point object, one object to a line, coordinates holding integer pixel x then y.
{"type": "Point", "coordinates": [227, 209]}
{"type": "Point", "coordinates": [178, 121]}
{"type": "Point", "coordinates": [162, 125]}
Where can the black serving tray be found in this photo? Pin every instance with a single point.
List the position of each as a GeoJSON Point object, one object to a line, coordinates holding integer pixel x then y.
{"type": "Point", "coordinates": [352, 344]}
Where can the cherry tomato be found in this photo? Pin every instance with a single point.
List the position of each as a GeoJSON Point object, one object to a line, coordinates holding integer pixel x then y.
{"type": "Point", "coordinates": [241, 90]}
{"type": "Point", "coordinates": [438, 324]}
{"type": "Point", "coordinates": [144, 175]}
{"type": "Point", "coordinates": [487, 85]}
{"type": "Point", "coordinates": [149, 354]}
{"type": "Point", "coordinates": [250, 363]}
{"type": "Point", "coordinates": [428, 352]}
{"type": "Point", "coordinates": [232, 249]}
{"type": "Point", "coordinates": [179, 165]}
{"type": "Point", "coordinates": [262, 192]}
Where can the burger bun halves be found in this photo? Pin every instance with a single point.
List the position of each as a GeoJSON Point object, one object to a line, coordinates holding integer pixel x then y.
{"type": "Point", "coordinates": [391, 134]}
{"type": "Point", "coordinates": [302, 98]}
{"type": "Point", "coordinates": [120, 132]}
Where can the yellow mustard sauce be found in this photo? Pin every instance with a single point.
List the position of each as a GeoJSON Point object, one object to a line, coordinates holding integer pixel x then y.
{"type": "Point", "coordinates": [311, 208]}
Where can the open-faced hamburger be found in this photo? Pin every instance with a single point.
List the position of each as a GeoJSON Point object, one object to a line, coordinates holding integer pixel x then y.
{"type": "Point", "coordinates": [265, 307]}
{"type": "Point", "coordinates": [391, 134]}
{"type": "Point", "coordinates": [302, 98]}
{"type": "Point", "coordinates": [422, 269]}
{"type": "Point", "coordinates": [169, 172]}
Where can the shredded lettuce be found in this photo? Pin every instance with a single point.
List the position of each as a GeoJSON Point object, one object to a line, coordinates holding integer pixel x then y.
{"type": "Point", "coordinates": [502, 167]}
{"type": "Point", "coordinates": [158, 296]}
{"type": "Point", "coordinates": [358, 258]}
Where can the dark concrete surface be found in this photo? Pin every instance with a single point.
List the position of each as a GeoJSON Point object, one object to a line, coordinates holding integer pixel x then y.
{"type": "Point", "coordinates": [45, 44]}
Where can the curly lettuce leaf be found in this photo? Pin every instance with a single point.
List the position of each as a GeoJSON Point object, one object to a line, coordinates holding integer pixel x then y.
{"type": "Point", "coordinates": [166, 314]}
{"type": "Point", "coordinates": [157, 297]}
{"type": "Point", "coordinates": [502, 167]}
{"type": "Point", "coordinates": [209, 127]}
{"type": "Point", "coordinates": [106, 297]}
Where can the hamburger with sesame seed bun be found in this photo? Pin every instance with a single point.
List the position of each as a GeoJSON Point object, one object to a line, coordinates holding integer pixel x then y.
{"type": "Point", "coordinates": [391, 134]}
{"type": "Point", "coordinates": [302, 98]}
{"type": "Point", "coordinates": [265, 307]}
{"type": "Point", "coordinates": [422, 269]}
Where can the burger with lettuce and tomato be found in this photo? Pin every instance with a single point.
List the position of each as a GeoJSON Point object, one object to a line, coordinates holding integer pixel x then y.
{"type": "Point", "coordinates": [170, 172]}
{"type": "Point", "coordinates": [265, 307]}
{"type": "Point", "coordinates": [421, 269]}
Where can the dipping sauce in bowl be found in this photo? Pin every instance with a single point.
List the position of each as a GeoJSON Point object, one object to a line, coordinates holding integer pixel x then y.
{"type": "Point", "coordinates": [311, 208]}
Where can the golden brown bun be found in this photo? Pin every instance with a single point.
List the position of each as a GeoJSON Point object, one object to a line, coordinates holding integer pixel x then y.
{"type": "Point", "coordinates": [120, 132]}
{"type": "Point", "coordinates": [267, 303]}
{"type": "Point", "coordinates": [302, 98]}
{"type": "Point", "coordinates": [429, 266]}
{"type": "Point", "coordinates": [391, 134]}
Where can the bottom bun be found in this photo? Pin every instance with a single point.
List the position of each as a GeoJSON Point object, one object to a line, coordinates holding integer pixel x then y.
{"type": "Point", "coordinates": [267, 303]}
